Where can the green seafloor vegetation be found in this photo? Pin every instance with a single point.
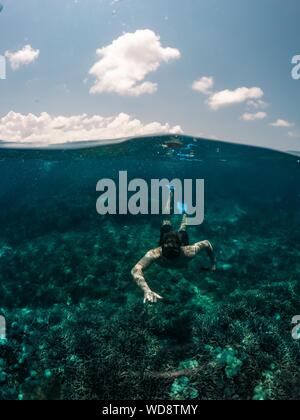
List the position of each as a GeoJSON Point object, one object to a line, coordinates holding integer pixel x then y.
{"type": "Point", "coordinates": [76, 324]}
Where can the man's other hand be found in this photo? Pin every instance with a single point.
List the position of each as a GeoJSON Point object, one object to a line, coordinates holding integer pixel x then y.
{"type": "Point", "coordinates": [150, 296]}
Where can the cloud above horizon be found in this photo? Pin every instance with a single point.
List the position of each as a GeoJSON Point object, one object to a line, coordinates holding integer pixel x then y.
{"type": "Point", "coordinates": [258, 103]}
{"type": "Point", "coordinates": [248, 116]}
{"type": "Point", "coordinates": [22, 57]}
{"type": "Point", "coordinates": [44, 129]}
{"type": "Point", "coordinates": [224, 98]}
{"type": "Point", "coordinates": [280, 123]}
{"type": "Point", "coordinates": [123, 65]}
{"type": "Point", "coordinates": [228, 97]}
{"type": "Point", "coordinates": [294, 135]}
{"type": "Point", "coordinates": [204, 85]}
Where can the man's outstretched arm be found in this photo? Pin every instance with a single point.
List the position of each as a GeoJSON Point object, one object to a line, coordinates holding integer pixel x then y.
{"type": "Point", "coordinates": [138, 275]}
{"type": "Point", "coordinates": [206, 246]}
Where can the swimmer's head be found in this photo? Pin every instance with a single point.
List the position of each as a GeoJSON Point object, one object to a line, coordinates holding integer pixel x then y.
{"type": "Point", "coordinates": [171, 245]}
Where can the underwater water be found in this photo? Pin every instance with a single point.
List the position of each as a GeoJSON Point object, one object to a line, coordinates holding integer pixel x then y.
{"type": "Point", "coordinates": [76, 324]}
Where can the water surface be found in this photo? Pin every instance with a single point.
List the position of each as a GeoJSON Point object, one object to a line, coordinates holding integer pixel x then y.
{"type": "Point", "coordinates": [77, 327]}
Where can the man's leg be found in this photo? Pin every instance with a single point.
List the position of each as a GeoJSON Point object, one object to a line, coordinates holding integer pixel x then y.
{"type": "Point", "coordinates": [169, 208]}
{"type": "Point", "coordinates": [185, 241]}
{"type": "Point", "coordinates": [166, 226]}
{"type": "Point", "coordinates": [183, 223]}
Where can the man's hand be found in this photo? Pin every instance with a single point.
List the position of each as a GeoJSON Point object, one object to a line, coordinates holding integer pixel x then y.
{"type": "Point", "coordinates": [150, 296]}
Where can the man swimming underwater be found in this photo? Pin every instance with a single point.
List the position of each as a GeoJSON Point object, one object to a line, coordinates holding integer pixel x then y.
{"type": "Point", "coordinates": [174, 252]}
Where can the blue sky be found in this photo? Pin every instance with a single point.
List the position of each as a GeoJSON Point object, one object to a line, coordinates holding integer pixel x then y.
{"type": "Point", "coordinates": [244, 47]}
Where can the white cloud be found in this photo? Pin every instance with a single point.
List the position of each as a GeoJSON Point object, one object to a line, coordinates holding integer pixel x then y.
{"type": "Point", "coordinates": [23, 57]}
{"type": "Point", "coordinates": [282, 124]}
{"type": "Point", "coordinates": [294, 135]}
{"type": "Point", "coordinates": [204, 85]}
{"type": "Point", "coordinates": [230, 97]}
{"type": "Point", "coordinates": [248, 116]}
{"type": "Point", "coordinates": [124, 64]}
{"type": "Point", "coordinates": [259, 103]}
{"type": "Point", "coordinates": [45, 129]}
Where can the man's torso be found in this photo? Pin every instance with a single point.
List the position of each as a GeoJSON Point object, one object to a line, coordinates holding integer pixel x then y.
{"type": "Point", "coordinates": [187, 253]}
